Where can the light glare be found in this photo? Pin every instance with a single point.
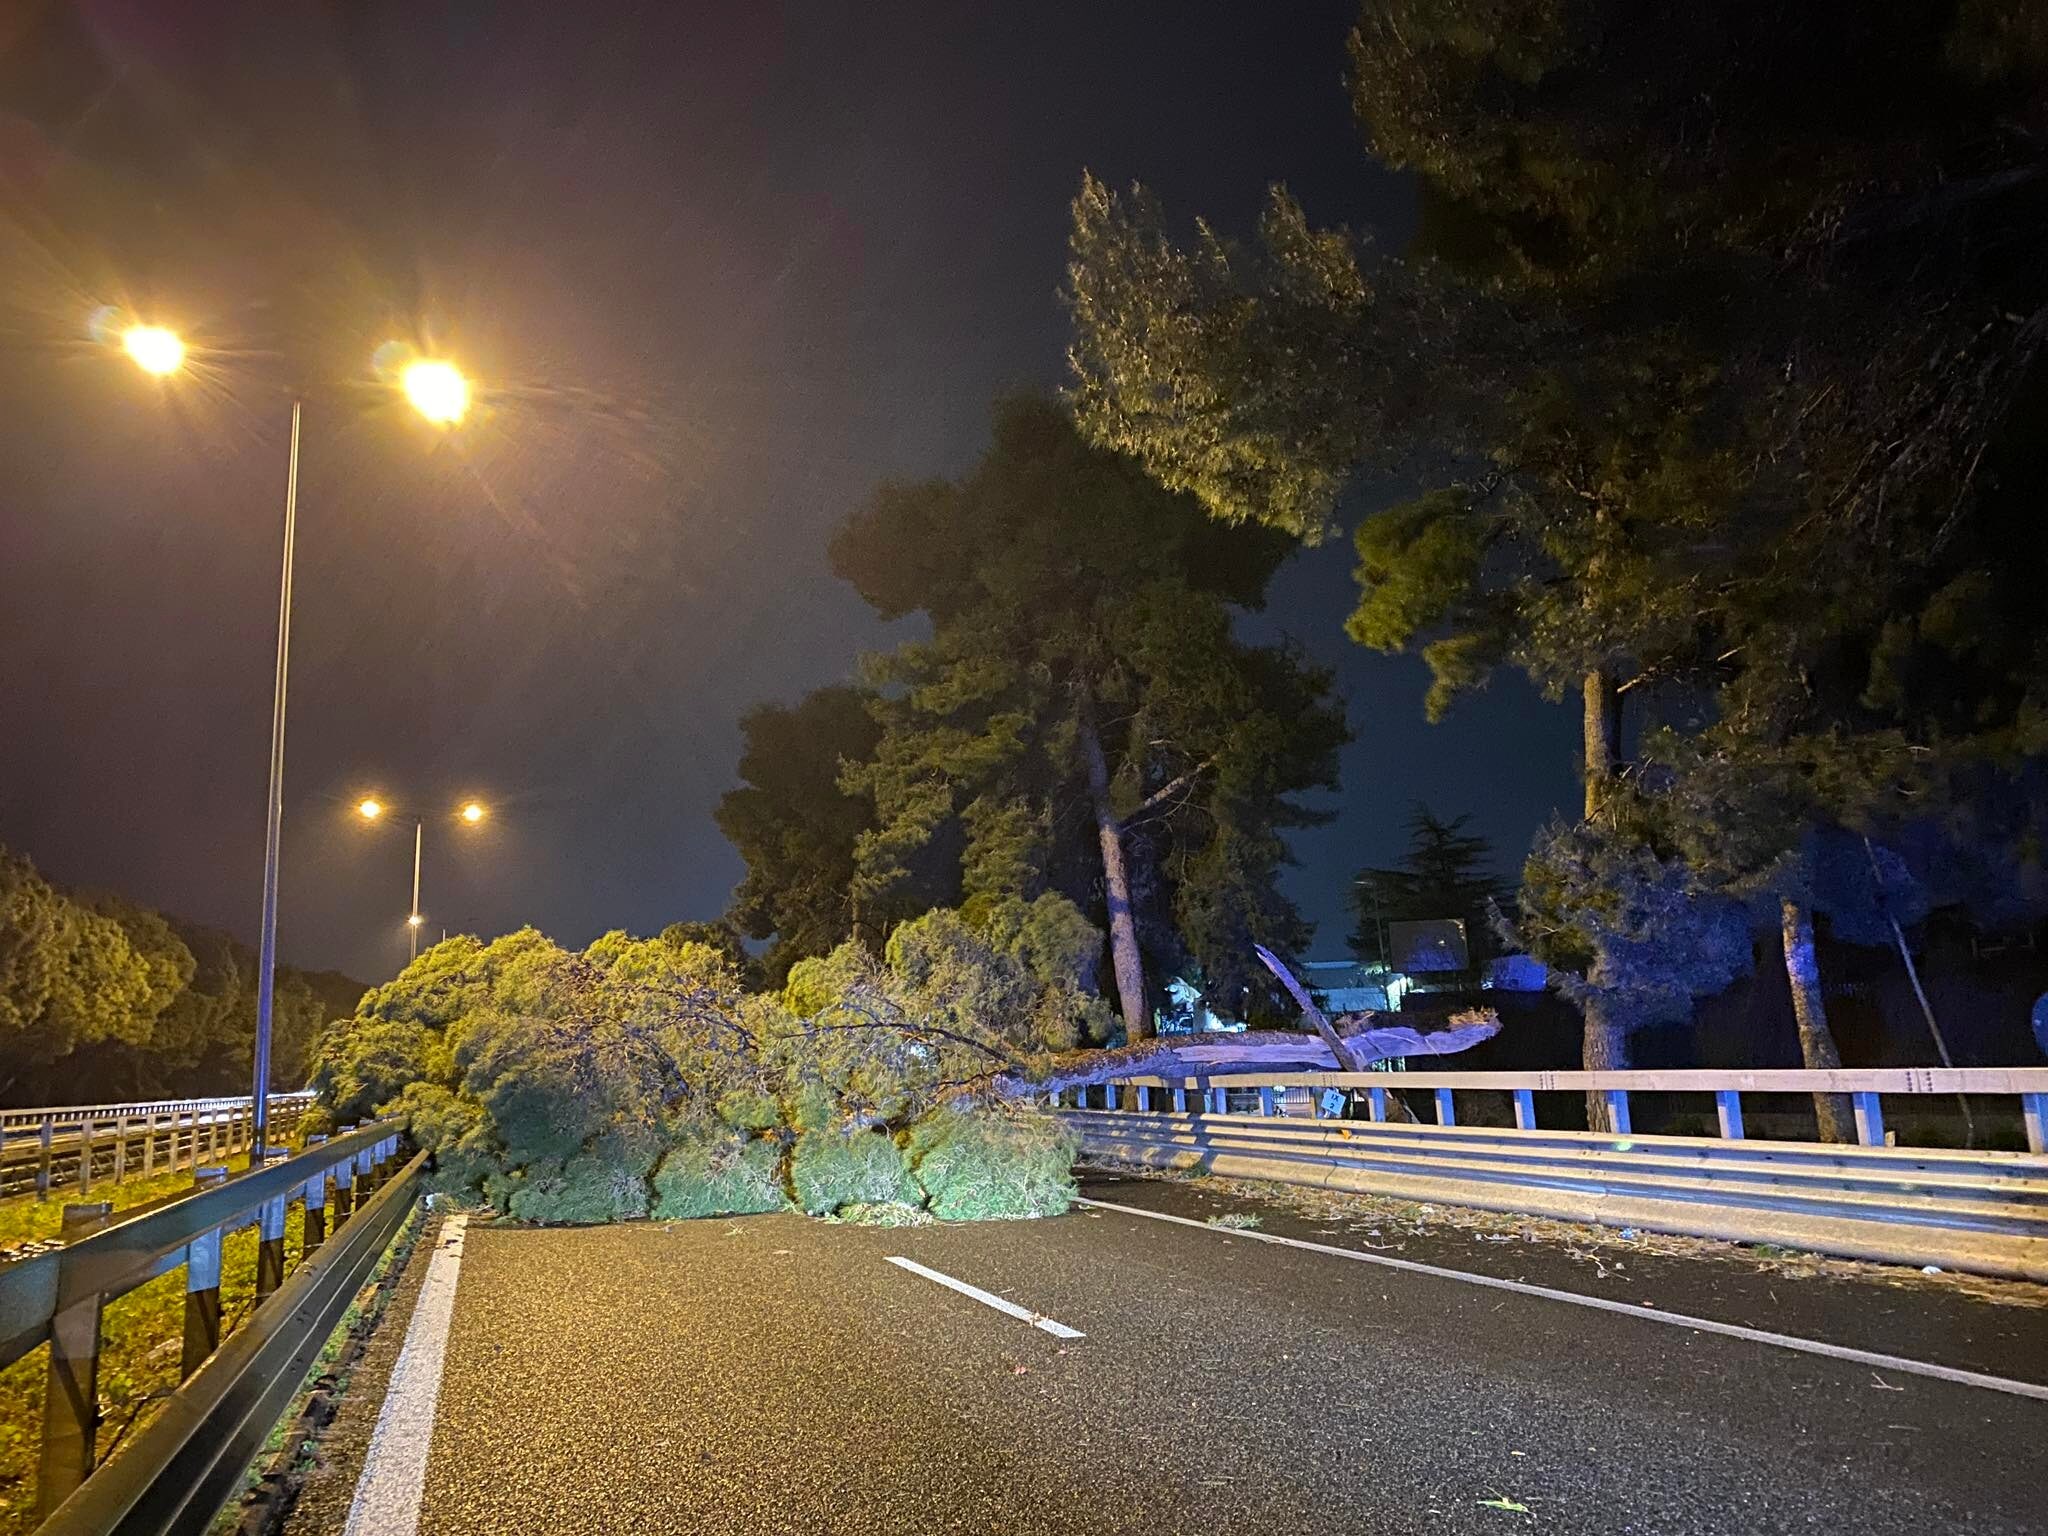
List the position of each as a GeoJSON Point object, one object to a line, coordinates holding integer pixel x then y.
{"type": "Point", "coordinates": [414, 921]}
{"type": "Point", "coordinates": [154, 349]}
{"type": "Point", "coordinates": [472, 813]}
{"type": "Point", "coordinates": [437, 390]}
{"type": "Point", "coordinates": [370, 810]}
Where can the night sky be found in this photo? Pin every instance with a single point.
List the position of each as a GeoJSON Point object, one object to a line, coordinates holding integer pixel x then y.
{"type": "Point", "coordinates": [719, 269]}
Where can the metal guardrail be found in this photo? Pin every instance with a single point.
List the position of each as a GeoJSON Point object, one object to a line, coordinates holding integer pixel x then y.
{"type": "Point", "coordinates": [189, 1450]}
{"type": "Point", "coordinates": [1866, 1087]}
{"type": "Point", "coordinates": [1980, 1211]}
{"type": "Point", "coordinates": [79, 1146]}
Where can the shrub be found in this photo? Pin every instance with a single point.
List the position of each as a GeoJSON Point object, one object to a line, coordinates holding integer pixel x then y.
{"type": "Point", "coordinates": [750, 1109]}
{"type": "Point", "coordinates": [715, 1173]}
{"type": "Point", "coordinates": [834, 1168]}
{"type": "Point", "coordinates": [993, 1166]}
{"type": "Point", "coordinates": [606, 1183]}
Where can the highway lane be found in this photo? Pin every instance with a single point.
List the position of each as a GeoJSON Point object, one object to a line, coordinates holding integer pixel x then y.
{"type": "Point", "coordinates": [775, 1374]}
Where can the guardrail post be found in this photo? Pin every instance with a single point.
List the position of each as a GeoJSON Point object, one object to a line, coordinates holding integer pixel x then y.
{"type": "Point", "coordinates": [202, 1286]}
{"type": "Point", "coordinates": [85, 1129]}
{"type": "Point", "coordinates": [2034, 1110]}
{"type": "Point", "coordinates": [1617, 1110]}
{"type": "Point", "coordinates": [1728, 1107]}
{"type": "Point", "coordinates": [1144, 1099]}
{"type": "Point", "coordinates": [1376, 1103]}
{"type": "Point", "coordinates": [316, 1205]}
{"type": "Point", "coordinates": [1869, 1119]}
{"type": "Point", "coordinates": [1445, 1113]}
{"type": "Point", "coordinates": [344, 1190]}
{"type": "Point", "coordinates": [1221, 1097]}
{"type": "Point", "coordinates": [1180, 1099]}
{"type": "Point", "coordinates": [270, 1230]}
{"type": "Point", "coordinates": [44, 1138]}
{"type": "Point", "coordinates": [120, 1148]}
{"type": "Point", "coordinates": [71, 1399]}
{"type": "Point", "coordinates": [1266, 1097]}
{"type": "Point", "coordinates": [366, 1173]}
{"type": "Point", "coordinates": [1525, 1109]}
{"type": "Point", "coordinates": [149, 1145]}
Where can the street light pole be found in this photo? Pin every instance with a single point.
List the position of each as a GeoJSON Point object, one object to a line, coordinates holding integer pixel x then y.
{"type": "Point", "coordinates": [266, 963]}
{"type": "Point", "coordinates": [412, 924]}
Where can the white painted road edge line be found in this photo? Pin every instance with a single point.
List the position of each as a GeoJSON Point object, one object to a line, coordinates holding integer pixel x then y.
{"type": "Point", "coordinates": [394, 1480]}
{"type": "Point", "coordinates": [1045, 1324]}
{"type": "Point", "coordinates": [1625, 1308]}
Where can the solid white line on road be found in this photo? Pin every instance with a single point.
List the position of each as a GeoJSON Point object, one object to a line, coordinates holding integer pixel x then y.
{"type": "Point", "coordinates": [1626, 1309]}
{"type": "Point", "coordinates": [388, 1494]}
{"type": "Point", "coordinates": [1044, 1324]}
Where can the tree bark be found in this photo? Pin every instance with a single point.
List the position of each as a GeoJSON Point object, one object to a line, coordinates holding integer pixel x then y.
{"type": "Point", "coordinates": [1338, 1049]}
{"type": "Point", "coordinates": [1605, 1044]}
{"type": "Point", "coordinates": [1602, 731]}
{"type": "Point", "coordinates": [1816, 1041]}
{"type": "Point", "coordinates": [1254, 1050]}
{"type": "Point", "coordinates": [1116, 881]}
{"type": "Point", "coordinates": [1605, 1050]}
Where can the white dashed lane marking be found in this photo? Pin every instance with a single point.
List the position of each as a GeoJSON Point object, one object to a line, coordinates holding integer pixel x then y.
{"type": "Point", "coordinates": [1009, 1308]}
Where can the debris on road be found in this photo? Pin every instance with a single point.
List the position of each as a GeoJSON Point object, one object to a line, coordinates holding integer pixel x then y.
{"type": "Point", "coordinates": [1593, 1246]}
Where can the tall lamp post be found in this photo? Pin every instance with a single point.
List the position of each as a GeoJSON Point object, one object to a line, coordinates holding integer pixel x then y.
{"type": "Point", "coordinates": [439, 392]}
{"type": "Point", "coordinates": [373, 809]}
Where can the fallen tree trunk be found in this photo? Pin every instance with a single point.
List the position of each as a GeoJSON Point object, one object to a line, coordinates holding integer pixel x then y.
{"type": "Point", "coordinates": [1364, 1040]}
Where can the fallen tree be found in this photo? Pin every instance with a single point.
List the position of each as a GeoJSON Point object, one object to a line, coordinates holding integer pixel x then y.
{"type": "Point", "coordinates": [640, 1077]}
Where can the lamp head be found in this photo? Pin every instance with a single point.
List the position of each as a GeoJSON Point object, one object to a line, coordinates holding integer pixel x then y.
{"type": "Point", "coordinates": [156, 350]}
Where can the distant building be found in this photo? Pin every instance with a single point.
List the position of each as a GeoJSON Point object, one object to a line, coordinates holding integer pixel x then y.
{"type": "Point", "coordinates": [1428, 948]}
{"type": "Point", "coordinates": [1353, 986]}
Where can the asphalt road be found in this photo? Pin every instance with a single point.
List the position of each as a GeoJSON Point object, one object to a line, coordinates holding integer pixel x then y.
{"type": "Point", "coordinates": [779, 1375]}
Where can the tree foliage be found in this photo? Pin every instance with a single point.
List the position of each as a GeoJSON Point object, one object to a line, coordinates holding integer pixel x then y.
{"type": "Point", "coordinates": [796, 828]}
{"type": "Point", "coordinates": [642, 1075]}
{"type": "Point", "coordinates": [1079, 615]}
{"type": "Point", "coordinates": [97, 990]}
{"type": "Point", "coordinates": [1711, 361]}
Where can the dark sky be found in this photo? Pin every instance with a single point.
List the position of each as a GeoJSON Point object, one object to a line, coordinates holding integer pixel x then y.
{"type": "Point", "coordinates": [719, 267]}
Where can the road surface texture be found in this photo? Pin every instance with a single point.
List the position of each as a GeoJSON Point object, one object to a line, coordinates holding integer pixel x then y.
{"type": "Point", "coordinates": [775, 1374]}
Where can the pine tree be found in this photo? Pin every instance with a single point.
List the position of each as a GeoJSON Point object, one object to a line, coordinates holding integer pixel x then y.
{"type": "Point", "coordinates": [1082, 718]}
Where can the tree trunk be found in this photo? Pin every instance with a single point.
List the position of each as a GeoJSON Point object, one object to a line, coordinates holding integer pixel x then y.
{"type": "Point", "coordinates": [1116, 881]}
{"type": "Point", "coordinates": [1605, 1050]}
{"type": "Point", "coordinates": [1816, 1041]}
{"type": "Point", "coordinates": [1605, 1046]}
{"type": "Point", "coordinates": [1254, 1050]}
{"type": "Point", "coordinates": [1602, 732]}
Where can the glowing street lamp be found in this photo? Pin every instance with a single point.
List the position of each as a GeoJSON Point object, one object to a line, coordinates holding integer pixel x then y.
{"type": "Point", "coordinates": [440, 393]}
{"type": "Point", "coordinates": [437, 389]}
{"type": "Point", "coordinates": [155, 349]}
